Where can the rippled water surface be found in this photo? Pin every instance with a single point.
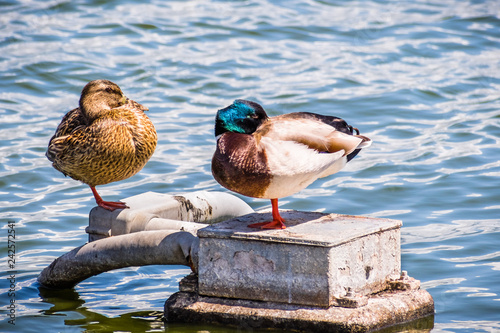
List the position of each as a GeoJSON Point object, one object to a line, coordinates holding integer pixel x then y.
{"type": "Point", "coordinates": [421, 78]}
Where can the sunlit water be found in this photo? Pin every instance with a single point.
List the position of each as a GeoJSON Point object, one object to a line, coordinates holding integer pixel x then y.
{"type": "Point", "coordinates": [422, 79]}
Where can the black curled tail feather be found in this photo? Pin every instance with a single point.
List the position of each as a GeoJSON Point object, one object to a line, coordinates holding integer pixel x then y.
{"type": "Point", "coordinates": [353, 154]}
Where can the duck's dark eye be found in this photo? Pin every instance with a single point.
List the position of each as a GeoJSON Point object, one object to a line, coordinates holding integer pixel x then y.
{"type": "Point", "coordinates": [109, 90]}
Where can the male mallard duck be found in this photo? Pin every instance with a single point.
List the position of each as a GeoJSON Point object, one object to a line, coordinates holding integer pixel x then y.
{"type": "Point", "coordinates": [107, 139]}
{"type": "Point", "coordinates": [271, 158]}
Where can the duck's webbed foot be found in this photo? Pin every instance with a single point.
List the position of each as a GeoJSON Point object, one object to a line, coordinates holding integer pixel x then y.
{"type": "Point", "coordinates": [277, 223]}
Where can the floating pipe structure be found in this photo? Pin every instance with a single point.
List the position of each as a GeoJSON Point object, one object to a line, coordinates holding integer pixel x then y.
{"type": "Point", "coordinates": [151, 232]}
{"type": "Point", "coordinates": [324, 273]}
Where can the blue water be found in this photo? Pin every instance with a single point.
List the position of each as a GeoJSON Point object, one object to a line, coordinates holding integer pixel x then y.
{"type": "Point", "coordinates": [421, 78]}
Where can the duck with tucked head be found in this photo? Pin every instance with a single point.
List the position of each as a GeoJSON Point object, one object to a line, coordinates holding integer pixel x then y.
{"type": "Point", "coordinates": [271, 158]}
{"type": "Point", "coordinates": [106, 139]}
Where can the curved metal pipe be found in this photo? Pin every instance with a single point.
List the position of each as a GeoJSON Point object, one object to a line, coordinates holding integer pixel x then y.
{"type": "Point", "coordinates": [159, 247]}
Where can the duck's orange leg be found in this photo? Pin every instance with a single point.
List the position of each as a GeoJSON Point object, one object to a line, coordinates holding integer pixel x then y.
{"type": "Point", "coordinates": [276, 223]}
{"type": "Point", "coordinates": [109, 205]}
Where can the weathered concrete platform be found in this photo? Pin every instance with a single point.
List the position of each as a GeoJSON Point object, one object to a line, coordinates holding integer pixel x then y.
{"type": "Point", "coordinates": [324, 273]}
{"type": "Point", "coordinates": [316, 261]}
{"type": "Point", "coordinates": [413, 308]}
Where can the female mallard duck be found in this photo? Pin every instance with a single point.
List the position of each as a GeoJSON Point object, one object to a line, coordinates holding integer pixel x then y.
{"type": "Point", "coordinates": [107, 139]}
{"type": "Point", "coordinates": [271, 158]}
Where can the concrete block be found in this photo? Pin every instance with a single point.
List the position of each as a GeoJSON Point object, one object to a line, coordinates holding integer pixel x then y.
{"type": "Point", "coordinates": [318, 260]}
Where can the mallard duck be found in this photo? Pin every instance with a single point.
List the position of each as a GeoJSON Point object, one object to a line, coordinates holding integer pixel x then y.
{"type": "Point", "coordinates": [106, 139]}
{"type": "Point", "coordinates": [275, 157]}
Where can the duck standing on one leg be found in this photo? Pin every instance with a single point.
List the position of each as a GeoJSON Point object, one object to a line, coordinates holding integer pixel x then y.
{"type": "Point", "coordinates": [271, 158]}
{"type": "Point", "coordinates": [106, 139]}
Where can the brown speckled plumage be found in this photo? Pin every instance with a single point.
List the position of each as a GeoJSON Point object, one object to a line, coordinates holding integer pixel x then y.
{"type": "Point", "coordinates": [107, 139]}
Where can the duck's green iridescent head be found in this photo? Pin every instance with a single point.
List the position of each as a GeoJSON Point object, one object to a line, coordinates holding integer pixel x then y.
{"type": "Point", "coordinates": [240, 117]}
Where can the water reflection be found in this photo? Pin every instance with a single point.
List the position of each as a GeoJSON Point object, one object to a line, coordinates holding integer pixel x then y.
{"type": "Point", "coordinates": [69, 304]}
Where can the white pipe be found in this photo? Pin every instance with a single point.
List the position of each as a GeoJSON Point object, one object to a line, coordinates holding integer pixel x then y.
{"type": "Point", "coordinates": [159, 247]}
{"type": "Point", "coordinates": [156, 230]}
